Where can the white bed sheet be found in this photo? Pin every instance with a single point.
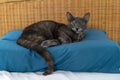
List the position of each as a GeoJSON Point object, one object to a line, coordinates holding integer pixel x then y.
{"type": "Point", "coordinates": [58, 75]}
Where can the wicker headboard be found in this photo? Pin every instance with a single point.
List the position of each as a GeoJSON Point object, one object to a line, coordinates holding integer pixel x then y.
{"type": "Point", "coordinates": [17, 14]}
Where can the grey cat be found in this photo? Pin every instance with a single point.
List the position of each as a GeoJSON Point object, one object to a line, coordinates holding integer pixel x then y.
{"type": "Point", "coordinates": [43, 34]}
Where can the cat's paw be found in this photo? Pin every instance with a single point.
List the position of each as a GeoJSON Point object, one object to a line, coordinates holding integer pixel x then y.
{"type": "Point", "coordinates": [48, 43]}
{"type": "Point", "coordinates": [47, 73]}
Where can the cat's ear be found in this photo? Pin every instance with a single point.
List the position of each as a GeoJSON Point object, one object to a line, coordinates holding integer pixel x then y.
{"type": "Point", "coordinates": [70, 17]}
{"type": "Point", "coordinates": [86, 16]}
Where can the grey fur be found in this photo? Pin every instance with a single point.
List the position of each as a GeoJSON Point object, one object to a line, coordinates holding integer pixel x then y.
{"type": "Point", "coordinates": [43, 34]}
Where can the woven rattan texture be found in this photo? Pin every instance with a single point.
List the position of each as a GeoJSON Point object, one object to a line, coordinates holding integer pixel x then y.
{"type": "Point", "coordinates": [17, 14]}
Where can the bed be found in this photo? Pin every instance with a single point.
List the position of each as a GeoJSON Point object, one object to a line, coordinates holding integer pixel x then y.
{"type": "Point", "coordinates": [96, 57]}
{"type": "Point", "coordinates": [58, 75]}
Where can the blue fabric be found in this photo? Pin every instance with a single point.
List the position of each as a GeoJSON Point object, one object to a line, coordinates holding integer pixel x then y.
{"type": "Point", "coordinates": [93, 54]}
{"type": "Point", "coordinates": [12, 35]}
{"type": "Point", "coordinates": [94, 34]}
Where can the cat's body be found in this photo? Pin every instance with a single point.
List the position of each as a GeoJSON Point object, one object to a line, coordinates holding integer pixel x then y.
{"type": "Point", "coordinates": [43, 34]}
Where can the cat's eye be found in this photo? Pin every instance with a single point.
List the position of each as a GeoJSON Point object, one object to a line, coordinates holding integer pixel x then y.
{"type": "Point", "coordinates": [73, 24]}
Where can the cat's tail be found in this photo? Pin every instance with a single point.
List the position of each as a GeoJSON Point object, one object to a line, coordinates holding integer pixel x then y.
{"type": "Point", "coordinates": [41, 51]}
{"type": "Point", "coordinates": [44, 53]}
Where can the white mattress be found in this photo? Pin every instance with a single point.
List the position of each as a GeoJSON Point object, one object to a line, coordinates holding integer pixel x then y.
{"type": "Point", "coordinates": [58, 75]}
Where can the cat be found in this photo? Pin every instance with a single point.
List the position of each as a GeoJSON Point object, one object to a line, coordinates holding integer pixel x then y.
{"type": "Point", "coordinates": [47, 33]}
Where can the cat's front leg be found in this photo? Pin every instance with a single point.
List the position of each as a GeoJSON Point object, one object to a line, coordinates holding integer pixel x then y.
{"type": "Point", "coordinates": [79, 37]}
{"type": "Point", "coordinates": [48, 43]}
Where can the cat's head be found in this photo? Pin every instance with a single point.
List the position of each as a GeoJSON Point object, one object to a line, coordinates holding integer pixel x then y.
{"type": "Point", "coordinates": [77, 24]}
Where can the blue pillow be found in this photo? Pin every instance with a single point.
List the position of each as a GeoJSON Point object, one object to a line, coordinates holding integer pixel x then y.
{"type": "Point", "coordinates": [92, 54]}
{"type": "Point", "coordinates": [12, 35]}
{"type": "Point", "coordinates": [94, 34]}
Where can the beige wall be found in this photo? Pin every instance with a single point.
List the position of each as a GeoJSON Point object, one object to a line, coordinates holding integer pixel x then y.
{"type": "Point", "coordinates": [17, 14]}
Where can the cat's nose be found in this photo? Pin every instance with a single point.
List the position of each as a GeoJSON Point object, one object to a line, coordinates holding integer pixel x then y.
{"type": "Point", "coordinates": [77, 29]}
